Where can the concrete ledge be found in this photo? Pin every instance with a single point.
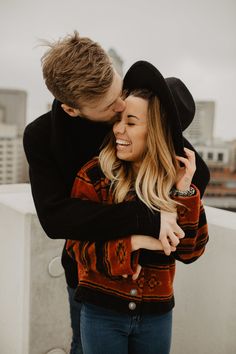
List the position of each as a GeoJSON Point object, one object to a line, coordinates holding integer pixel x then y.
{"type": "Point", "coordinates": [222, 218]}
{"type": "Point", "coordinates": [17, 197]}
{"type": "Point", "coordinates": [33, 298]}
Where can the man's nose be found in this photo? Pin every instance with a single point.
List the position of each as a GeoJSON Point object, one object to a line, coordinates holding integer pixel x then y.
{"type": "Point", "coordinates": [119, 105]}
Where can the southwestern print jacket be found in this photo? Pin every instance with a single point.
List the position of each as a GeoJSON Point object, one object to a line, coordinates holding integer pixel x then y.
{"type": "Point", "coordinates": [101, 264]}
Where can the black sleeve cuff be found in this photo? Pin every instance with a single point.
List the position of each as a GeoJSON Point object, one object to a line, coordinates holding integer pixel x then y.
{"type": "Point", "coordinates": [148, 222]}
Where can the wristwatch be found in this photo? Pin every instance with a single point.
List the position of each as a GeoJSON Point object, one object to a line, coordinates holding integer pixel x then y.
{"type": "Point", "coordinates": [177, 193]}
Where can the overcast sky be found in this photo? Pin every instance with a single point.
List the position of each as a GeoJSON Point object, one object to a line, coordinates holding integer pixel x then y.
{"type": "Point", "coordinates": [193, 40]}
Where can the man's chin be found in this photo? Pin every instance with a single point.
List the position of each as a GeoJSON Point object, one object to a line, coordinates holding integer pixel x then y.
{"type": "Point", "coordinates": [108, 120]}
{"type": "Point", "coordinates": [113, 119]}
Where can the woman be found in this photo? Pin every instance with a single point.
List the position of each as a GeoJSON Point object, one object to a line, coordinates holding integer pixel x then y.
{"type": "Point", "coordinates": [126, 285]}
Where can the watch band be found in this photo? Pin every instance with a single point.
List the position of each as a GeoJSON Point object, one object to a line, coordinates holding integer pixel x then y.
{"type": "Point", "coordinates": [177, 193]}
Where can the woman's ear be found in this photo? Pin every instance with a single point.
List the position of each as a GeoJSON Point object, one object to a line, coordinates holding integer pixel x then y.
{"type": "Point", "coordinates": [73, 112]}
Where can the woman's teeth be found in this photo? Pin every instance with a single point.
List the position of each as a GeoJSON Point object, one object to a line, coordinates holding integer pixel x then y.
{"type": "Point", "coordinates": [122, 142]}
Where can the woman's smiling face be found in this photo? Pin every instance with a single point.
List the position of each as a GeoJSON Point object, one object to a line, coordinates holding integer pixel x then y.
{"type": "Point", "coordinates": [130, 130]}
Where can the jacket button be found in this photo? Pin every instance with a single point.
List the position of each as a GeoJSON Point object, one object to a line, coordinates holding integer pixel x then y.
{"type": "Point", "coordinates": [132, 306]}
{"type": "Point", "coordinates": [133, 292]}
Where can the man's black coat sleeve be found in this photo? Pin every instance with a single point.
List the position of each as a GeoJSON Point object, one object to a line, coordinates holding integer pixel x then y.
{"type": "Point", "coordinates": [63, 217]}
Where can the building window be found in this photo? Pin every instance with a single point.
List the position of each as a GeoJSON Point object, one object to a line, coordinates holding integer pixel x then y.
{"type": "Point", "coordinates": [220, 156]}
{"type": "Point", "coordinates": [210, 156]}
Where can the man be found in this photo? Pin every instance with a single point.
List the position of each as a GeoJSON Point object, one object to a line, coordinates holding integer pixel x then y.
{"type": "Point", "coordinates": [87, 91]}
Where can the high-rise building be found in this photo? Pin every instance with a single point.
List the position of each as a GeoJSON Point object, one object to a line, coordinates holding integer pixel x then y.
{"type": "Point", "coordinates": [13, 165]}
{"type": "Point", "coordinates": [201, 129]}
{"type": "Point", "coordinates": [117, 61]}
{"type": "Point", "coordinates": [233, 156]}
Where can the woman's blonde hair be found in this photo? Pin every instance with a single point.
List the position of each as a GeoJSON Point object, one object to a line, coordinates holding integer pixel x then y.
{"type": "Point", "coordinates": [157, 173]}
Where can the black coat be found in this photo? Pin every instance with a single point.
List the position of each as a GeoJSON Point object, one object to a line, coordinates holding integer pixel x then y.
{"type": "Point", "coordinates": [57, 146]}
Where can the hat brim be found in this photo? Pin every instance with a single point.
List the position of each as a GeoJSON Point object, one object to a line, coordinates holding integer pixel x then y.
{"type": "Point", "coordinates": [143, 75]}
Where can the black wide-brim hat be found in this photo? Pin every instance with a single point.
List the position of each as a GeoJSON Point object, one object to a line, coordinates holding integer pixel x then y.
{"type": "Point", "coordinates": [174, 96]}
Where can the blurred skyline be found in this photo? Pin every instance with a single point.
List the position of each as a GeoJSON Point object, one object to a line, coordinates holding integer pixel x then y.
{"type": "Point", "coordinates": [193, 40]}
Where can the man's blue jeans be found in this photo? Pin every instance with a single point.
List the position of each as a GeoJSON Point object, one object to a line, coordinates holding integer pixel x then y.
{"type": "Point", "coordinates": [75, 308]}
{"type": "Point", "coordinates": [104, 331]}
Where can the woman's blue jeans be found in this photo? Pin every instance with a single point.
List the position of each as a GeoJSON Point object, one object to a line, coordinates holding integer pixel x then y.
{"type": "Point", "coordinates": [104, 331]}
{"type": "Point", "coordinates": [75, 308]}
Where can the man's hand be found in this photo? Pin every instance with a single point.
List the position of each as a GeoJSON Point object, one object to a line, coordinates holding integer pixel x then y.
{"type": "Point", "coordinates": [168, 240]}
{"type": "Point", "coordinates": [170, 232]}
{"type": "Point", "coordinates": [143, 241]}
{"type": "Point", "coordinates": [147, 242]}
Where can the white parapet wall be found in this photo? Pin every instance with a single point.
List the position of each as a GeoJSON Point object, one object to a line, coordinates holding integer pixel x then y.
{"type": "Point", "coordinates": [205, 312]}
{"type": "Point", "coordinates": [33, 299]}
{"type": "Point", "coordinates": [34, 313]}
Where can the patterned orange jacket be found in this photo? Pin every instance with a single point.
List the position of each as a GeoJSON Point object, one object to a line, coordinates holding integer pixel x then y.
{"type": "Point", "coordinates": [102, 264]}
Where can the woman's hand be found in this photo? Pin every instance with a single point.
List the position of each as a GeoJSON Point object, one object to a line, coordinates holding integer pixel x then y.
{"type": "Point", "coordinates": [185, 173]}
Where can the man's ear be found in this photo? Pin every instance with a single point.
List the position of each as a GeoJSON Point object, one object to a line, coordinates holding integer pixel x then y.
{"type": "Point", "coordinates": [73, 112]}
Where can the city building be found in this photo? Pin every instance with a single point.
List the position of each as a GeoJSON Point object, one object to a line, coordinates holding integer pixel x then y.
{"type": "Point", "coordinates": [220, 158]}
{"type": "Point", "coordinates": [219, 155]}
{"type": "Point", "coordinates": [117, 61]}
{"type": "Point", "coordinates": [13, 165]}
{"type": "Point", "coordinates": [232, 161]}
{"type": "Point", "coordinates": [202, 127]}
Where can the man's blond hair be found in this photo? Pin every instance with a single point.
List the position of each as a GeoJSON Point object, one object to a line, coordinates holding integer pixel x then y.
{"type": "Point", "coordinates": [77, 70]}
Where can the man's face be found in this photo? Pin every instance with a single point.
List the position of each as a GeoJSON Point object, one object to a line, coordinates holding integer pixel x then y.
{"type": "Point", "coordinates": [106, 108]}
